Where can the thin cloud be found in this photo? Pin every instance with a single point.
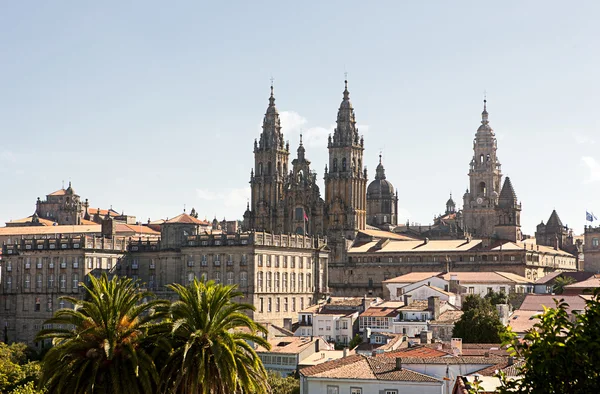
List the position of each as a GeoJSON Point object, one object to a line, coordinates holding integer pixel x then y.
{"type": "Point", "coordinates": [594, 167]}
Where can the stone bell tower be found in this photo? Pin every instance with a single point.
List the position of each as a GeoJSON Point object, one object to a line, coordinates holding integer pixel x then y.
{"type": "Point", "coordinates": [485, 176]}
{"type": "Point", "coordinates": [345, 180]}
{"type": "Point", "coordinates": [271, 153]}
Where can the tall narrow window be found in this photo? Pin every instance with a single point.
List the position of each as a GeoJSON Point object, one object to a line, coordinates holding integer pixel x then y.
{"type": "Point", "coordinates": [38, 281]}
{"type": "Point", "coordinates": [243, 279]}
{"type": "Point", "coordinates": [343, 164]}
{"type": "Point", "coordinates": [230, 277]}
{"type": "Point", "coordinates": [75, 282]}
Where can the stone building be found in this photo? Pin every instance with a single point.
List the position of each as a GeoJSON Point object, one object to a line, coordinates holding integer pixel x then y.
{"type": "Point", "coordinates": [36, 272]}
{"type": "Point", "coordinates": [283, 202]}
{"type": "Point", "coordinates": [554, 233]}
{"type": "Point", "coordinates": [278, 274]}
{"type": "Point", "coordinates": [484, 215]}
{"type": "Point", "coordinates": [64, 206]}
{"type": "Point", "coordinates": [371, 261]}
{"type": "Point", "coordinates": [591, 249]}
{"type": "Point", "coordinates": [382, 200]}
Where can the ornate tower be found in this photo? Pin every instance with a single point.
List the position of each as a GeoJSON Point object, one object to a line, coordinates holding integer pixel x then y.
{"type": "Point", "coordinates": [267, 179]}
{"type": "Point", "coordinates": [382, 201]}
{"type": "Point", "coordinates": [304, 206]}
{"type": "Point", "coordinates": [508, 212]}
{"type": "Point", "coordinates": [345, 180]}
{"type": "Point", "coordinates": [450, 206]}
{"type": "Point", "coordinates": [485, 177]}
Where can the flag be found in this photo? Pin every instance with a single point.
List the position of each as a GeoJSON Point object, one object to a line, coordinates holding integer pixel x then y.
{"type": "Point", "coordinates": [305, 217]}
{"type": "Point", "coordinates": [590, 216]}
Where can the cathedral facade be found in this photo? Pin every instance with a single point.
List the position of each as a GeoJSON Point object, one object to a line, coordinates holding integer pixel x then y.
{"type": "Point", "coordinates": [288, 200]}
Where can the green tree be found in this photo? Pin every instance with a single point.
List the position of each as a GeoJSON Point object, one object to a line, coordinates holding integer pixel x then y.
{"type": "Point", "coordinates": [479, 323]}
{"type": "Point", "coordinates": [101, 347]}
{"type": "Point", "coordinates": [560, 282]}
{"type": "Point", "coordinates": [354, 342]}
{"type": "Point", "coordinates": [561, 354]}
{"type": "Point", "coordinates": [281, 385]}
{"type": "Point", "coordinates": [211, 339]}
{"type": "Point", "coordinates": [497, 297]}
{"type": "Point", "coordinates": [17, 369]}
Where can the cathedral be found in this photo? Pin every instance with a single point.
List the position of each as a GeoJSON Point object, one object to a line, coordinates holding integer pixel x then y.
{"type": "Point", "coordinates": [288, 200]}
{"type": "Point", "coordinates": [285, 198]}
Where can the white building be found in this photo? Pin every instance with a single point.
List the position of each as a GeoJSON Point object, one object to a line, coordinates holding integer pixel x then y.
{"type": "Point", "coordinates": [360, 374]}
{"type": "Point", "coordinates": [333, 320]}
{"type": "Point", "coordinates": [480, 283]}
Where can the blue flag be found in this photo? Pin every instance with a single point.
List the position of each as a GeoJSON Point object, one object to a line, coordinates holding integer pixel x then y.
{"type": "Point", "coordinates": [589, 216]}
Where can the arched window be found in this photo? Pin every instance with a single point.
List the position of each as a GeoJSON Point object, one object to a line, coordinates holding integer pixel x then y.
{"type": "Point", "coordinates": [481, 159]}
{"type": "Point", "coordinates": [359, 166]}
{"type": "Point", "coordinates": [284, 168]}
{"type": "Point", "coordinates": [482, 189]}
{"type": "Point", "coordinates": [279, 167]}
{"type": "Point", "coordinates": [335, 165]}
{"type": "Point", "coordinates": [353, 164]}
{"type": "Point", "coordinates": [269, 168]}
{"type": "Point", "coordinates": [343, 164]}
{"type": "Point", "coordinates": [487, 158]}
{"type": "Point", "coordinates": [259, 171]}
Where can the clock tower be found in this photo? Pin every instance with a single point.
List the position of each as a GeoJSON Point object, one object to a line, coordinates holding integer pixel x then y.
{"type": "Point", "coordinates": [485, 176]}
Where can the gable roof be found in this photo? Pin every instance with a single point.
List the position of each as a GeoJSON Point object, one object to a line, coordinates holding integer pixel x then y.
{"type": "Point", "coordinates": [536, 302]}
{"type": "Point", "coordinates": [187, 219]}
{"type": "Point", "coordinates": [590, 283]}
{"type": "Point", "coordinates": [28, 219]}
{"type": "Point", "coordinates": [436, 289]}
{"type": "Point", "coordinates": [363, 367]}
{"type": "Point", "coordinates": [413, 277]}
{"type": "Point", "coordinates": [60, 192]}
{"type": "Point", "coordinates": [579, 276]}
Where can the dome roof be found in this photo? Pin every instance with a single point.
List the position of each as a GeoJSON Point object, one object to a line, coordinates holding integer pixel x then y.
{"type": "Point", "coordinates": [450, 202]}
{"type": "Point", "coordinates": [381, 186]}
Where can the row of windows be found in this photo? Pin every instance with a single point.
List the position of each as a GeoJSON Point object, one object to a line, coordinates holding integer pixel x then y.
{"type": "Point", "coordinates": [355, 390]}
{"type": "Point", "coordinates": [375, 322]}
{"type": "Point", "coordinates": [418, 259]}
{"type": "Point", "coordinates": [37, 304]}
{"type": "Point", "coordinates": [39, 281]}
{"type": "Point", "coordinates": [274, 278]}
{"type": "Point", "coordinates": [277, 360]}
{"type": "Point", "coordinates": [284, 261]}
{"type": "Point", "coordinates": [230, 278]}
{"type": "Point", "coordinates": [280, 303]}
{"type": "Point", "coordinates": [62, 262]}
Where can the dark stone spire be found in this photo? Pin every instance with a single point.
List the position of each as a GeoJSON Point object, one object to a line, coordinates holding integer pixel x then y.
{"type": "Point", "coordinates": [380, 171]}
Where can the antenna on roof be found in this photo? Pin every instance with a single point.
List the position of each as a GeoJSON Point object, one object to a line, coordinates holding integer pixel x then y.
{"type": "Point", "coordinates": [183, 208]}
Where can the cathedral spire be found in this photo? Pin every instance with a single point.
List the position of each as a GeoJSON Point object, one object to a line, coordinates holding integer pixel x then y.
{"type": "Point", "coordinates": [271, 136]}
{"type": "Point", "coordinates": [301, 150]}
{"type": "Point", "coordinates": [380, 171]}
{"type": "Point", "coordinates": [346, 133]}
{"type": "Point", "coordinates": [484, 114]}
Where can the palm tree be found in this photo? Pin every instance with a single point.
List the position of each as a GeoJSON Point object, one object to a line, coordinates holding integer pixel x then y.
{"type": "Point", "coordinates": [212, 339]}
{"type": "Point", "coordinates": [103, 348]}
{"type": "Point", "coordinates": [560, 282]}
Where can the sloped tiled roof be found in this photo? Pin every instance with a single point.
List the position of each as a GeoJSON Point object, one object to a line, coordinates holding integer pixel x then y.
{"type": "Point", "coordinates": [364, 367]}
{"type": "Point", "coordinates": [60, 192]}
{"type": "Point", "coordinates": [589, 283]}
{"type": "Point", "coordinates": [43, 222]}
{"type": "Point", "coordinates": [448, 317]}
{"type": "Point", "coordinates": [535, 302]}
{"type": "Point", "coordinates": [453, 360]}
{"type": "Point", "coordinates": [420, 351]}
{"type": "Point", "coordinates": [46, 230]}
{"type": "Point", "coordinates": [523, 320]}
{"type": "Point", "coordinates": [102, 212]}
{"type": "Point", "coordinates": [387, 234]}
{"type": "Point", "coordinates": [185, 218]}
{"type": "Point", "coordinates": [135, 229]}
{"type": "Point", "coordinates": [578, 276]}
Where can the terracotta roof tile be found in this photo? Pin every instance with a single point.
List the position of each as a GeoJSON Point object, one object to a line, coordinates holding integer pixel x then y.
{"type": "Point", "coordinates": [185, 218]}
{"type": "Point", "coordinates": [453, 360]}
{"type": "Point", "coordinates": [364, 367]}
{"type": "Point", "coordinates": [421, 352]}
{"type": "Point", "coordinates": [375, 311]}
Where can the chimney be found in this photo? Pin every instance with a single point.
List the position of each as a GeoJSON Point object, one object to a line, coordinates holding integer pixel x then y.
{"type": "Point", "coordinates": [407, 298]}
{"type": "Point", "coordinates": [399, 363]}
{"type": "Point", "coordinates": [456, 344]}
{"type": "Point", "coordinates": [317, 345]}
{"type": "Point", "coordinates": [454, 284]}
{"type": "Point", "coordinates": [287, 323]}
{"type": "Point", "coordinates": [364, 303]}
{"type": "Point", "coordinates": [109, 227]}
{"type": "Point", "coordinates": [345, 352]}
{"type": "Point", "coordinates": [556, 242]}
{"type": "Point", "coordinates": [426, 337]}
{"type": "Point", "coordinates": [433, 305]}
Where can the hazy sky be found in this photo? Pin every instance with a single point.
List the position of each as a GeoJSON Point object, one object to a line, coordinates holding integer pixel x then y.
{"type": "Point", "coordinates": [147, 106]}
